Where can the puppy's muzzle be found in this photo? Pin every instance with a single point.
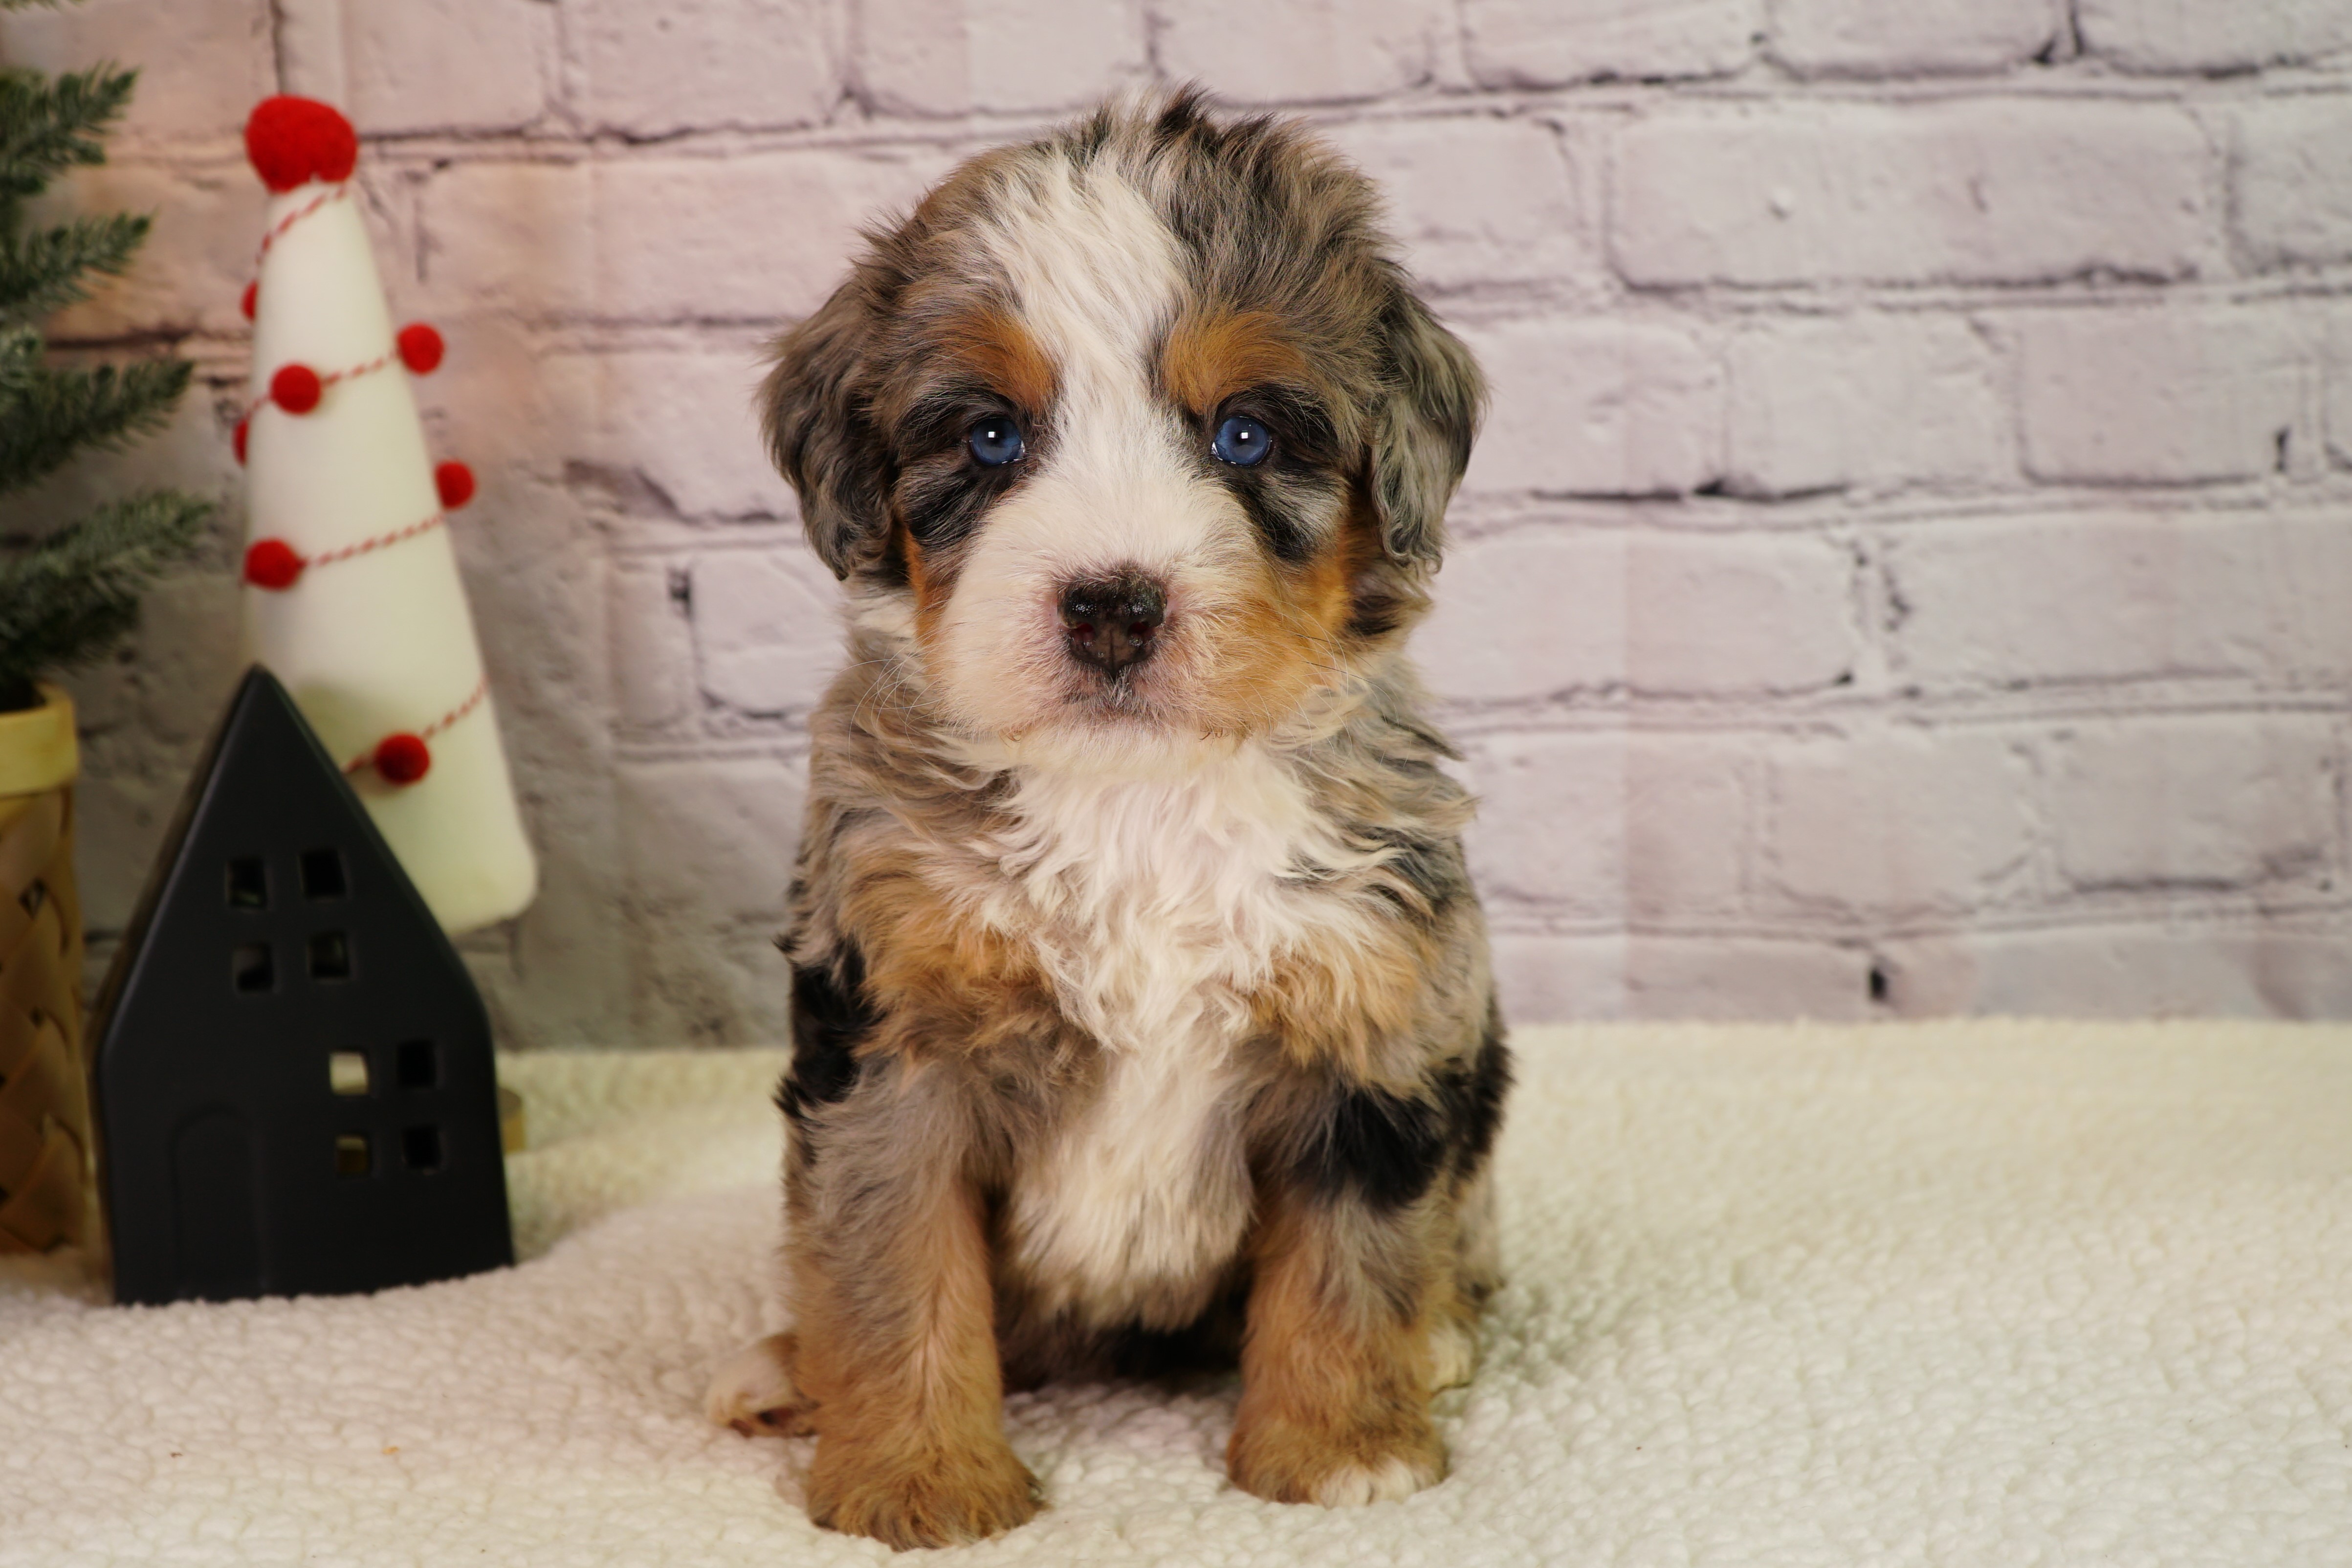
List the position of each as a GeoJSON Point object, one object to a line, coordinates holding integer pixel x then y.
{"type": "Point", "coordinates": [1112, 623]}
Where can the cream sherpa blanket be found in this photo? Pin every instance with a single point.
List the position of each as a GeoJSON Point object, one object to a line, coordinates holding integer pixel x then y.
{"type": "Point", "coordinates": [1965, 1294]}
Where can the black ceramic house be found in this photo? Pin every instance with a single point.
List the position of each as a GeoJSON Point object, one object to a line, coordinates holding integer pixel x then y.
{"type": "Point", "coordinates": [295, 1091]}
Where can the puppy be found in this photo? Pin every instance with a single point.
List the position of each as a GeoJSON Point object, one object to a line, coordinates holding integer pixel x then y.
{"type": "Point", "coordinates": [1141, 1012]}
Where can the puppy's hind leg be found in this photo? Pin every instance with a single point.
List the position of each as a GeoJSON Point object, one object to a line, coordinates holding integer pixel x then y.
{"type": "Point", "coordinates": [754, 1391]}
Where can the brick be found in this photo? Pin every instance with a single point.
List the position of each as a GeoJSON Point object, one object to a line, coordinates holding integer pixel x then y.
{"type": "Point", "coordinates": [951, 57]}
{"type": "Point", "coordinates": [2160, 395]}
{"type": "Point", "coordinates": [697, 984]}
{"type": "Point", "coordinates": [767, 629]}
{"type": "Point", "coordinates": [1473, 200]}
{"type": "Point", "coordinates": [1708, 614]}
{"type": "Point", "coordinates": [1868, 403]}
{"type": "Point", "coordinates": [680, 426]}
{"type": "Point", "coordinates": [1589, 407]}
{"type": "Point", "coordinates": [753, 237]}
{"type": "Point", "coordinates": [448, 65]}
{"type": "Point", "coordinates": [1531, 616]}
{"type": "Point", "coordinates": [521, 237]}
{"type": "Point", "coordinates": [1549, 43]}
{"type": "Point", "coordinates": [1865, 38]}
{"type": "Point", "coordinates": [1527, 615]}
{"type": "Point", "coordinates": [119, 822]}
{"type": "Point", "coordinates": [2335, 360]}
{"type": "Point", "coordinates": [2222, 801]}
{"type": "Point", "coordinates": [2192, 970]}
{"type": "Point", "coordinates": [2171, 36]}
{"type": "Point", "coordinates": [2290, 192]}
{"type": "Point", "coordinates": [2314, 562]}
{"type": "Point", "coordinates": [653, 647]}
{"type": "Point", "coordinates": [2090, 597]}
{"type": "Point", "coordinates": [1975, 192]}
{"type": "Point", "coordinates": [199, 252]}
{"type": "Point", "coordinates": [1898, 821]}
{"type": "Point", "coordinates": [693, 65]}
{"type": "Point", "coordinates": [1303, 52]}
{"type": "Point", "coordinates": [205, 62]}
{"type": "Point", "coordinates": [1609, 825]}
{"type": "Point", "coordinates": [712, 835]}
{"type": "Point", "coordinates": [189, 656]}
{"type": "Point", "coordinates": [1646, 975]}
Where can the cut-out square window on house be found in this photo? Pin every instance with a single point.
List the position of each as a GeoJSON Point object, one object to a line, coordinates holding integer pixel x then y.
{"type": "Point", "coordinates": [420, 1065]}
{"type": "Point", "coordinates": [347, 1072]}
{"type": "Point", "coordinates": [420, 1148]}
{"type": "Point", "coordinates": [352, 1155]}
{"type": "Point", "coordinates": [248, 883]}
{"type": "Point", "coordinates": [330, 956]}
{"type": "Point", "coordinates": [250, 967]}
{"type": "Point", "coordinates": [322, 874]}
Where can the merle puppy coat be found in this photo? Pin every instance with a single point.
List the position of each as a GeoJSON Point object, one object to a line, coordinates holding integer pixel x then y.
{"type": "Point", "coordinates": [1141, 1004]}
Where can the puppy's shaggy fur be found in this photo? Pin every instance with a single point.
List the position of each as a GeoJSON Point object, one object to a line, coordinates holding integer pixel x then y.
{"type": "Point", "coordinates": [1141, 1006]}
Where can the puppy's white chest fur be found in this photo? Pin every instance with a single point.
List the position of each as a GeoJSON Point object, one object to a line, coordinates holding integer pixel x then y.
{"type": "Point", "coordinates": [1159, 900]}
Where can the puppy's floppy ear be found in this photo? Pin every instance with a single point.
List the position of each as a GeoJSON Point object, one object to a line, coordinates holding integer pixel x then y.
{"type": "Point", "coordinates": [1423, 429]}
{"type": "Point", "coordinates": [816, 411]}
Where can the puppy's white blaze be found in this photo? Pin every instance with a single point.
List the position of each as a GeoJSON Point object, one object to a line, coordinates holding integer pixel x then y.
{"type": "Point", "coordinates": [1094, 278]}
{"type": "Point", "coordinates": [1158, 898]}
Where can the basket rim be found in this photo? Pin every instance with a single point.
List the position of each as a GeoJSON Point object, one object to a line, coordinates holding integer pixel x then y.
{"type": "Point", "coordinates": [38, 750]}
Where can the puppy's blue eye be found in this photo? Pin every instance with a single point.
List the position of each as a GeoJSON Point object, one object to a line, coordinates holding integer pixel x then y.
{"type": "Point", "coordinates": [1242, 440]}
{"type": "Point", "coordinates": [996, 441]}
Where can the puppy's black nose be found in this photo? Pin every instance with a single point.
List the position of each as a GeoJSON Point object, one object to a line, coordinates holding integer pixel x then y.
{"type": "Point", "coordinates": [1113, 621]}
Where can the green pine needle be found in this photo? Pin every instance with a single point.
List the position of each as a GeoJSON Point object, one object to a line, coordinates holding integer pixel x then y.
{"type": "Point", "coordinates": [43, 272]}
{"type": "Point", "coordinates": [70, 598]}
{"type": "Point", "coordinates": [59, 412]}
{"type": "Point", "coordinates": [47, 127]}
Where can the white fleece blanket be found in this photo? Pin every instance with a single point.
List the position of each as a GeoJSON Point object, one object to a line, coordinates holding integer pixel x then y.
{"type": "Point", "coordinates": [1970, 1294]}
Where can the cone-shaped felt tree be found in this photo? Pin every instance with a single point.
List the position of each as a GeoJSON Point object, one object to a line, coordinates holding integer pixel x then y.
{"type": "Point", "coordinates": [353, 597]}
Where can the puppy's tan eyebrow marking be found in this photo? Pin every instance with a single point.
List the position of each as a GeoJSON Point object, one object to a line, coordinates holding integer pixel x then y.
{"type": "Point", "coordinates": [999, 349]}
{"type": "Point", "coordinates": [1211, 355]}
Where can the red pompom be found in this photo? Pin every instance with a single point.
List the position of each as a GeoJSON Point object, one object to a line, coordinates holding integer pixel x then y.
{"type": "Point", "coordinates": [293, 140]}
{"type": "Point", "coordinates": [420, 348]}
{"type": "Point", "coordinates": [236, 442]}
{"type": "Point", "coordinates": [252, 294]}
{"type": "Point", "coordinates": [455, 483]}
{"type": "Point", "coordinates": [296, 388]}
{"type": "Point", "coordinates": [402, 759]}
{"type": "Point", "coordinates": [271, 563]}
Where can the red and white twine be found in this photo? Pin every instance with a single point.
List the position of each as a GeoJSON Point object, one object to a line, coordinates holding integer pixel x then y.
{"type": "Point", "coordinates": [402, 758]}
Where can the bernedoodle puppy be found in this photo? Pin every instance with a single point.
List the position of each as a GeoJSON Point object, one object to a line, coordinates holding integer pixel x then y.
{"type": "Point", "coordinates": [1141, 1012]}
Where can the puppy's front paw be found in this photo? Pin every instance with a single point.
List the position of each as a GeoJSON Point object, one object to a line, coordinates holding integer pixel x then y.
{"type": "Point", "coordinates": [1338, 1466]}
{"type": "Point", "coordinates": [753, 1391]}
{"type": "Point", "coordinates": [919, 1497]}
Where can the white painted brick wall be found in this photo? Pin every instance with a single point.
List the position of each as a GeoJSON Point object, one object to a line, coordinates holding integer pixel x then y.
{"type": "Point", "coordinates": [1908, 568]}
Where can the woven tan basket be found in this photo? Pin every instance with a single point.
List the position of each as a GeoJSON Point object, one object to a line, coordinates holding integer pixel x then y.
{"type": "Point", "coordinates": [44, 1093]}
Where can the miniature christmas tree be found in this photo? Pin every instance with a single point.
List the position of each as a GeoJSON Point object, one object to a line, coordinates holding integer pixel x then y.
{"type": "Point", "coordinates": [68, 598]}
{"type": "Point", "coordinates": [65, 599]}
{"type": "Point", "coordinates": [352, 596]}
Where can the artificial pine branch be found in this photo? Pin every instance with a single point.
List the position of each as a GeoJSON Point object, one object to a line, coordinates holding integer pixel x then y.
{"type": "Point", "coordinates": [71, 597]}
{"type": "Point", "coordinates": [42, 272]}
{"type": "Point", "coordinates": [61, 411]}
{"type": "Point", "coordinates": [47, 127]}
{"type": "Point", "coordinates": [67, 599]}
